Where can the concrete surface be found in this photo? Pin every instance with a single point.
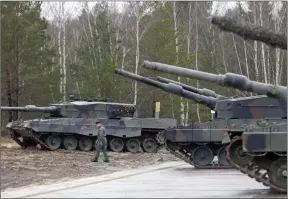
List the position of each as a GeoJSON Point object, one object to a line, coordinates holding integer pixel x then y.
{"type": "Point", "coordinates": [168, 180]}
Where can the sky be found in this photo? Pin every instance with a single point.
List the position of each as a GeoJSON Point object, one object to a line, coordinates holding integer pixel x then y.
{"type": "Point", "coordinates": [222, 6]}
{"type": "Point", "coordinates": [74, 7]}
{"type": "Point", "coordinates": [71, 7]}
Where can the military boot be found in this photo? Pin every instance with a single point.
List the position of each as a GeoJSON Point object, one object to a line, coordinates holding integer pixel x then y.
{"type": "Point", "coordinates": [106, 160]}
{"type": "Point", "coordinates": [94, 159]}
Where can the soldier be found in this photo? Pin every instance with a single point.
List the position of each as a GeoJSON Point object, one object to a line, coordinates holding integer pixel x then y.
{"type": "Point", "coordinates": [101, 143]}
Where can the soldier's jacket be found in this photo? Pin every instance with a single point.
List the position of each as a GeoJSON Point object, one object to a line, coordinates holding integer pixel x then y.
{"type": "Point", "coordinates": [101, 135]}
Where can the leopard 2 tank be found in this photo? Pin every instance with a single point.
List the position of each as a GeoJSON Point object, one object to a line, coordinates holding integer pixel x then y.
{"type": "Point", "coordinates": [70, 125]}
{"type": "Point", "coordinates": [265, 145]}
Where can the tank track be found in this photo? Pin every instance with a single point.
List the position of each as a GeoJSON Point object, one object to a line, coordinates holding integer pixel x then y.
{"type": "Point", "coordinates": [34, 138]}
{"type": "Point", "coordinates": [38, 141]}
{"type": "Point", "coordinates": [14, 137]}
{"type": "Point", "coordinates": [252, 170]}
{"type": "Point", "coordinates": [185, 157]}
{"type": "Point", "coordinates": [31, 134]}
{"type": "Point", "coordinates": [44, 146]}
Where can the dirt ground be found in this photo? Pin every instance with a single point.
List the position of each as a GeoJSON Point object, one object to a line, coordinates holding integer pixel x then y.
{"type": "Point", "coordinates": [22, 167]}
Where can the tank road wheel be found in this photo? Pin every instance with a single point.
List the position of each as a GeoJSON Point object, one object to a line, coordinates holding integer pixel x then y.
{"type": "Point", "coordinates": [53, 142]}
{"type": "Point", "coordinates": [237, 155]}
{"type": "Point", "coordinates": [85, 144]}
{"type": "Point", "coordinates": [221, 155]}
{"type": "Point", "coordinates": [116, 144]}
{"type": "Point", "coordinates": [133, 145]}
{"type": "Point", "coordinates": [70, 143]}
{"type": "Point", "coordinates": [278, 173]}
{"type": "Point", "coordinates": [203, 155]}
{"type": "Point", "coordinates": [172, 145]}
{"type": "Point", "coordinates": [149, 145]}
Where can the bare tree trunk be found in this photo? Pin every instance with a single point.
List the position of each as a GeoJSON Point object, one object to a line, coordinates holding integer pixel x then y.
{"type": "Point", "coordinates": [108, 27]}
{"type": "Point", "coordinates": [246, 59]}
{"type": "Point", "coordinates": [223, 54]}
{"type": "Point", "coordinates": [246, 63]}
{"type": "Point", "coordinates": [60, 46]}
{"type": "Point", "coordinates": [137, 51]}
{"type": "Point", "coordinates": [116, 47]}
{"type": "Point", "coordinates": [212, 55]}
{"type": "Point", "coordinates": [139, 36]}
{"type": "Point", "coordinates": [76, 37]}
{"type": "Point", "coordinates": [237, 55]}
{"type": "Point", "coordinates": [91, 32]}
{"type": "Point", "coordinates": [196, 57]}
{"type": "Point", "coordinates": [269, 72]}
{"type": "Point", "coordinates": [93, 48]}
{"type": "Point", "coordinates": [188, 56]}
{"type": "Point", "coordinates": [182, 114]}
{"type": "Point", "coordinates": [255, 46]}
{"type": "Point", "coordinates": [8, 92]}
{"type": "Point", "coordinates": [124, 53]}
{"type": "Point", "coordinates": [64, 60]}
{"type": "Point", "coordinates": [277, 54]}
{"type": "Point", "coordinates": [17, 77]}
{"type": "Point", "coordinates": [262, 46]}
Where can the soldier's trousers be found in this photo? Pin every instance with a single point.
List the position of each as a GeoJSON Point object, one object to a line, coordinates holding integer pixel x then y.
{"type": "Point", "coordinates": [101, 146]}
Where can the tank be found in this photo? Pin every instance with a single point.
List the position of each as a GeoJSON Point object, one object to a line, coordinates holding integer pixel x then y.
{"type": "Point", "coordinates": [71, 125]}
{"type": "Point", "coordinates": [251, 32]}
{"type": "Point", "coordinates": [263, 147]}
{"type": "Point", "coordinates": [231, 115]}
{"type": "Point", "coordinates": [261, 153]}
{"type": "Point", "coordinates": [268, 142]}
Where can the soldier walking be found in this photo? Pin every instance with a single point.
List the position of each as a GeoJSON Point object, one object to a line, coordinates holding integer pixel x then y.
{"type": "Point", "coordinates": [101, 143]}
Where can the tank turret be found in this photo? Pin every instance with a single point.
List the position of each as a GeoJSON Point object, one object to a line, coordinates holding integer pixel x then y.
{"type": "Point", "coordinates": [171, 88]}
{"type": "Point", "coordinates": [30, 108]}
{"type": "Point", "coordinates": [251, 32]}
{"type": "Point", "coordinates": [202, 91]}
{"type": "Point", "coordinates": [80, 109]}
{"type": "Point", "coordinates": [240, 82]}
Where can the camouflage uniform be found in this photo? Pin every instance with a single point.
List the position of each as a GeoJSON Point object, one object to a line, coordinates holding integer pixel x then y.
{"type": "Point", "coordinates": [101, 144]}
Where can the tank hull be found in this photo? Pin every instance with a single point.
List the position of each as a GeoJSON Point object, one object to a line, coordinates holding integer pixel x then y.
{"type": "Point", "coordinates": [183, 141]}
{"type": "Point", "coordinates": [118, 130]}
{"type": "Point", "coordinates": [263, 154]}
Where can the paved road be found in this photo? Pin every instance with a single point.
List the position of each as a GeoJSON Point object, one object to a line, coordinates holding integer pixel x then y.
{"type": "Point", "coordinates": [169, 180]}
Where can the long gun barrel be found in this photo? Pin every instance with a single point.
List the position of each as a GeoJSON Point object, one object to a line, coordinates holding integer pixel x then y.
{"type": "Point", "coordinates": [251, 32]}
{"type": "Point", "coordinates": [236, 81]}
{"type": "Point", "coordinates": [172, 88]}
{"type": "Point", "coordinates": [30, 108]}
{"type": "Point", "coordinates": [202, 91]}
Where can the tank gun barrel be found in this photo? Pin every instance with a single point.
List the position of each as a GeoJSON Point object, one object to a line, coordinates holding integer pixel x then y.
{"type": "Point", "coordinates": [251, 32]}
{"type": "Point", "coordinates": [30, 108]}
{"type": "Point", "coordinates": [203, 91]}
{"type": "Point", "coordinates": [172, 88]}
{"type": "Point", "coordinates": [236, 81]}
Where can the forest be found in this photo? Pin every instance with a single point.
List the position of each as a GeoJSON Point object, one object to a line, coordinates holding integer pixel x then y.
{"type": "Point", "coordinates": [44, 61]}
